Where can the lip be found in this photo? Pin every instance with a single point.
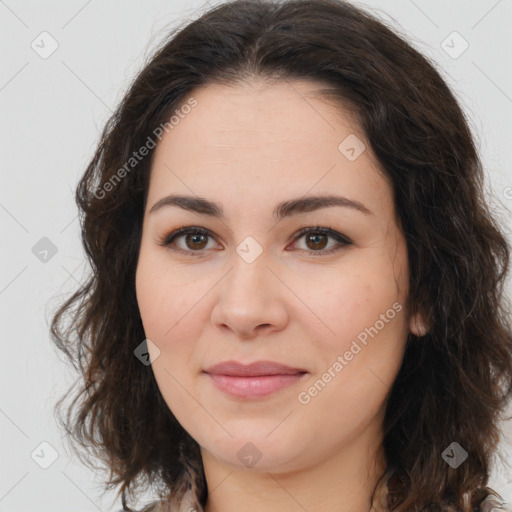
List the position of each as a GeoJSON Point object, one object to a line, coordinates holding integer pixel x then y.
{"type": "Point", "coordinates": [256, 369]}
{"type": "Point", "coordinates": [254, 380]}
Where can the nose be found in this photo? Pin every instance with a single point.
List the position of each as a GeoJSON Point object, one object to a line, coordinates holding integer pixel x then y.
{"type": "Point", "coordinates": [251, 300]}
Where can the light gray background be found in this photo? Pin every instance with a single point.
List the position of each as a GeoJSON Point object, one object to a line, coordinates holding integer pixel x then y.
{"type": "Point", "coordinates": [51, 114]}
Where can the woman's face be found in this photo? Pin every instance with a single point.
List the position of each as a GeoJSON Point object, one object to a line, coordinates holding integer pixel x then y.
{"type": "Point", "coordinates": [246, 285]}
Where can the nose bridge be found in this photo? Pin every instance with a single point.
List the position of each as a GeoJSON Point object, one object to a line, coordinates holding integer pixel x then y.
{"type": "Point", "coordinates": [250, 295]}
{"type": "Point", "coordinates": [249, 276]}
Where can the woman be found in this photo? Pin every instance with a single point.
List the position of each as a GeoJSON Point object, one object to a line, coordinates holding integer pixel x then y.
{"type": "Point", "coordinates": [296, 299]}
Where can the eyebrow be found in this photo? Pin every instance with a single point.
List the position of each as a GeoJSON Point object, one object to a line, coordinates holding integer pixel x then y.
{"type": "Point", "coordinates": [285, 209]}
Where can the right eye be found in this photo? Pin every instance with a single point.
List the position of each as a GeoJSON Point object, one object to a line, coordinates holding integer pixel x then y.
{"type": "Point", "coordinates": [194, 238]}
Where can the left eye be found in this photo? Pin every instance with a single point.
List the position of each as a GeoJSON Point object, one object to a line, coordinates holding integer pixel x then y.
{"type": "Point", "coordinates": [316, 240]}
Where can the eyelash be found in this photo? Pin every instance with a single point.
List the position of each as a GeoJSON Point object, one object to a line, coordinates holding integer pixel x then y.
{"type": "Point", "coordinates": [344, 241]}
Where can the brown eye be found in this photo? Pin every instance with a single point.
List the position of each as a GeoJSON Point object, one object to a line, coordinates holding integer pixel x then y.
{"type": "Point", "coordinates": [316, 241]}
{"type": "Point", "coordinates": [189, 240]}
{"type": "Point", "coordinates": [196, 241]}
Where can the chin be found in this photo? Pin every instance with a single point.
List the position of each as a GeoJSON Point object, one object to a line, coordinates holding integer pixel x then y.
{"type": "Point", "coordinates": [261, 452]}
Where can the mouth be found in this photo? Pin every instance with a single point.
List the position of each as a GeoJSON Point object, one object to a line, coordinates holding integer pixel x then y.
{"type": "Point", "coordinates": [255, 380]}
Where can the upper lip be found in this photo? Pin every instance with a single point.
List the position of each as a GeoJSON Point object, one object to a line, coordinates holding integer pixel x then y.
{"type": "Point", "coordinates": [258, 368]}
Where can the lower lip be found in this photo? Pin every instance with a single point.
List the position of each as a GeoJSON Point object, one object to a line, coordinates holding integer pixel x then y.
{"type": "Point", "coordinates": [254, 387]}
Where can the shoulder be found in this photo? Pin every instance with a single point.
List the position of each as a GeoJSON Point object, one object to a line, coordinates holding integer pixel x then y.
{"type": "Point", "coordinates": [186, 502]}
{"type": "Point", "coordinates": [155, 506]}
{"type": "Point", "coordinates": [494, 504]}
{"type": "Point", "coordinates": [491, 503]}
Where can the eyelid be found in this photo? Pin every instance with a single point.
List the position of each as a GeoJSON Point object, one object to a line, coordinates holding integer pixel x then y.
{"type": "Point", "coordinates": [326, 230]}
{"type": "Point", "coordinates": [167, 240]}
{"type": "Point", "coordinates": [342, 240]}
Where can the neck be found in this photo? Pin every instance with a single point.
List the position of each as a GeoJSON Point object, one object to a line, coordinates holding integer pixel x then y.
{"type": "Point", "coordinates": [344, 482]}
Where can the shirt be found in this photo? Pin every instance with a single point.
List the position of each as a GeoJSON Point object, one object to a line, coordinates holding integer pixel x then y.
{"type": "Point", "coordinates": [189, 503]}
{"type": "Point", "coordinates": [185, 497]}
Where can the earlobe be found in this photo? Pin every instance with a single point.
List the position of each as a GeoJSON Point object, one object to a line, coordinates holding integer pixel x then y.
{"type": "Point", "coordinates": [417, 325]}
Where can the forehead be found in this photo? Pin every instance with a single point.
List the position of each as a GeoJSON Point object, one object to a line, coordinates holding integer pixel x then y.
{"type": "Point", "coordinates": [262, 140]}
{"type": "Point", "coordinates": [258, 110]}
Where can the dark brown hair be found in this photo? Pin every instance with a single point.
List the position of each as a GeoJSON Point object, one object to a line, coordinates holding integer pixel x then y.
{"type": "Point", "coordinates": [454, 382]}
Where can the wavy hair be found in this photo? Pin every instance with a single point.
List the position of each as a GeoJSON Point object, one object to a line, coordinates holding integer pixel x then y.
{"type": "Point", "coordinates": [454, 382]}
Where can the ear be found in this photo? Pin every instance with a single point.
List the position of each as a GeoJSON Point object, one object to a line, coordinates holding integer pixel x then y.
{"type": "Point", "coordinates": [417, 325]}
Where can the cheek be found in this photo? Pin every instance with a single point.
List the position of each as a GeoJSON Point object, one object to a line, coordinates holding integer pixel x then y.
{"type": "Point", "coordinates": [170, 310]}
{"type": "Point", "coordinates": [161, 298]}
{"type": "Point", "coordinates": [360, 361]}
{"type": "Point", "coordinates": [368, 329]}
{"type": "Point", "coordinates": [150, 290]}
{"type": "Point", "coordinates": [166, 308]}
{"type": "Point", "coordinates": [352, 301]}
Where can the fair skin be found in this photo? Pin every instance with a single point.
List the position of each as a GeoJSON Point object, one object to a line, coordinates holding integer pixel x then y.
{"type": "Point", "coordinates": [249, 147]}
